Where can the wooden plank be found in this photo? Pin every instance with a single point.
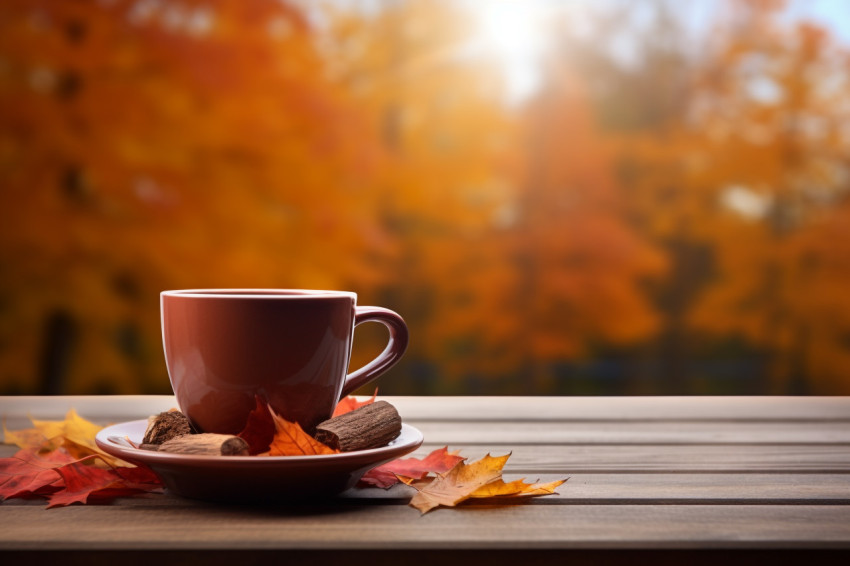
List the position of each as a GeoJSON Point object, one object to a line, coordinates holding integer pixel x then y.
{"type": "Point", "coordinates": [431, 556]}
{"type": "Point", "coordinates": [535, 459]}
{"type": "Point", "coordinates": [172, 525]}
{"type": "Point", "coordinates": [671, 489]}
{"type": "Point", "coordinates": [612, 432]}
{"type": "Point", "coordinates": [617, 432]}
{"type": "Point", "coordinates": [514, 409]}
{"type": "Point", "coordinates": [598, 432]}
{"type": "Point", "coordinates": [788, 489]}
{"type": "Point", "coordinates": [566, 409]}
{"type": "Point", "coordinates": [99, 408]}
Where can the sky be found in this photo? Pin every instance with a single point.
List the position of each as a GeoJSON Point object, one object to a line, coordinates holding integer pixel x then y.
{"type": "Point", "coordinates": [511, 29]}
{"type": "Point", "coordinates": [832, 14]}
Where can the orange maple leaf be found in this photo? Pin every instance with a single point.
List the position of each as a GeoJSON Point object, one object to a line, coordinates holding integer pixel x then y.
{"type": "Point", "coordinates": [481, 479]}
{"type": "Point", "coordinates": [350, 403]}
{"type": "Point", "coordinates": [291, 440]}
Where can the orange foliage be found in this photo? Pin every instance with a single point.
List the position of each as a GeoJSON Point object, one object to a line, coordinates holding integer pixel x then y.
{"type": "Point", "coordinates": [512, 253]}
{"type": "Point", "coordinates": [208, 143]}
{"type": "Point", "coordinates": [581, 264]}
{"type": "Point", "coordinates": [758, 167]}
{"type": "Point", "coordinates": [194, 144]}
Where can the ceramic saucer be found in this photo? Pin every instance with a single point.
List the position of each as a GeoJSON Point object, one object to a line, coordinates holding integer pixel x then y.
{"type": "Point", "coordinates": [253, 478]}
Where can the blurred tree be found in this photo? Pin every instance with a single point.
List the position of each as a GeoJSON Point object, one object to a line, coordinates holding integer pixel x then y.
{"type": "Point", "coordinates": [203, 143]}
{"type": "Point", "coordinates": [444, 179]}
{"type": "Point", "coordinates": [149, 145]}
{"type": "Point", "coordinates": [581, 267]}
{"type": "Point", "coordinates": [770, 117]}
{"type": "Point", "coordinates": [636, 63]}
{"type": "Point", "coordinates": [515, 255]}
{"type": "Point", "coordinates": [742, 178]}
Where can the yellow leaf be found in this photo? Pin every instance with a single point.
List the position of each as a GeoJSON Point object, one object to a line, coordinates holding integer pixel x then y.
{"type": "Point", "coordinates": [459, 483]}
{"type": "Point", "coordinates": [517, 488]}
{"type": "Point", "coordinates": [73, 428]}
{"type": "Point", "coordinates": [481, 479]}
{"type": "Point", "coordinates": [74, 433]}
{"type": "Point", "coordinates": [26, 438]}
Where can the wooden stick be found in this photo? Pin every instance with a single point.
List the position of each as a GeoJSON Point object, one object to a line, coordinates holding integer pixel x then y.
{"type": "Point", "coordinates": [207, 444]}
{"type": "Point", "coordinates": [370, 426]}
{"type": "Point", "coordinates": [165, 426]}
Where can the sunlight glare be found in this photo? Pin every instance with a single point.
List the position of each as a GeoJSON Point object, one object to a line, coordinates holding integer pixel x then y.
{"type": "Point", "coordinates": [515, 32]}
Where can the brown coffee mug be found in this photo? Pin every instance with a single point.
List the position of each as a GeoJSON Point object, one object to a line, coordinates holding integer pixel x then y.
{"type": "Point", "coordinates": [291, 348]}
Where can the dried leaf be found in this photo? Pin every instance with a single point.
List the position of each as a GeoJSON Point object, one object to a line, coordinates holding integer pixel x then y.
{"type": "Point", "coordinates": [83, 480]}
{"type": "Point", "coordinates": [28, 438]}
{"type": "Point", "coordinates": [459, 483]}
{"type": "Point", "coordinates": [29, 473]}
{"type": "Point", "coordinates": [517, 488]}
{"type": "Point", "coordinates": [291, 440]}
{"type": "Point", "coordinates": [350, 403]}
{"type": "Point", "coordinates": [60, 462]}
{"type": "Point", "coordinates": [259, 429]}
{"type": "Point", "coordinates": [74, 433]}
{"type": "Point", "coordinates": [481, 479]}
{"type": "Point", "coordinates": [437, 462]}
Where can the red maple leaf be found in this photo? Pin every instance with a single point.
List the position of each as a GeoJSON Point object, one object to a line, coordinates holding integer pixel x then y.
{"type": "Point", "coordinates": [84, 481]}
{"type": "Point", "coordinates": [63, 479]}
{"type": "Point", "coordinates": [259, 429]}
{"type": "Point", "coordinates": [439, 461]}
{"type": "Point", "coordinates": [29, 473]}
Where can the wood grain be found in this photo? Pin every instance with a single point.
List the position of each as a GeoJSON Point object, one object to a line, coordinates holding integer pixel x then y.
{"type": "Point", "coordinates": [672, 489]}
{"type": "Point", "coordinates": [662, 458]}
{"type": "Point", "coordinates": [119, 408]}
{"type": "Point", "coordinates": [661, 474]}
{"type": "Point", "coordinates": [644, 409]}
{"type": "Point", "coordinates": [616, 432]}
{"type": "Point", "coordinates": [188, 525]}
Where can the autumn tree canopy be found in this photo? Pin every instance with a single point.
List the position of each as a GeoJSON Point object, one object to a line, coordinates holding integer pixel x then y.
{"type": "Point", "coordinates": [658, 216]}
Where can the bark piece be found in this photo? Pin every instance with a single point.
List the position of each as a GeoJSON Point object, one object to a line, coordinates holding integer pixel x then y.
{"type": "Point", "coordinates": [370, 426]}
{"type": "Point", "coordinates": [165, 426]}
{"type": "Point", "coordinates": [206, 444]}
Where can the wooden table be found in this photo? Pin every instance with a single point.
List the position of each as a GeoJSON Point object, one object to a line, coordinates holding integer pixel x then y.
{"type": "Point", "coordinates": [678, 480]}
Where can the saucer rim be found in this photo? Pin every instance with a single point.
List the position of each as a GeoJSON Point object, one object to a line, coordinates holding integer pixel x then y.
{"type": "Point", "coordinates": [148, 457]}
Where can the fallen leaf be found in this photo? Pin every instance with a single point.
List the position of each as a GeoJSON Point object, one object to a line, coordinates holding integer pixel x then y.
{"type": "Point", "coordinates": [75, 433]}
{"type": "Point", "coordinates": [72, 427]}
{"type": "Point", "coordinates": [291, 440]}
{"type": "Point", "coordinates": [438, 462]}
{"type": "Point", "coordinates": [83, 480]}
{"type": "Point", "coordinates": [481, 479]}
{"type": "Point", "coordinates": [517, 488]}
{"type": "Point", "coordinates": [29, 473]}
{"type": "Point", "coordinates": [350, 403]}
{"type": "Point", "coordinates": [459, 483]}
{"type": "Point", "coordinates": [28, 438]}
{"type": "Point", "coordinates": [60, 461]}
{"type": "Point", "coordinates": [259, 429]}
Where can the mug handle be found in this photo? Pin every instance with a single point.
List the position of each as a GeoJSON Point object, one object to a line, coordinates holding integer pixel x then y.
{"type": "Point", "coordinates": [386, 359]}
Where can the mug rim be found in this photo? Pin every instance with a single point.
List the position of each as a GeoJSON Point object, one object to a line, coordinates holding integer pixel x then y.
{"type": "Point", "coordinates": [258, 293]}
